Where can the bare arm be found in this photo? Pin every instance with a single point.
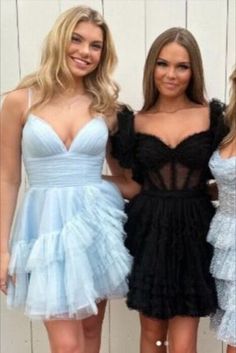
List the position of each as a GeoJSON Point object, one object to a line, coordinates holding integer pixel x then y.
{"type": "Point", "coordinates": [121, 177]}
{"type": "Point", "coordinates": [212, 190]}
{"type": "Point", "coordinates": [11, 129]}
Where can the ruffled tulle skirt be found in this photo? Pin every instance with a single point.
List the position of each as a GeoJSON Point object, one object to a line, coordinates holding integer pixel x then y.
{"type": "Point", "coordinates": [166, 234]}
{"type": "Point", "coordinates": [68, 252]}
{"type": "Point", "coordinates": [222, 236]}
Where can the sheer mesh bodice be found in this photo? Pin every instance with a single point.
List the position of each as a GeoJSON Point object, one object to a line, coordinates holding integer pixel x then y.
{"type": "Point", "coordinates": [176, 168]}
{"type": "Point", "coordinates": [173, 176]}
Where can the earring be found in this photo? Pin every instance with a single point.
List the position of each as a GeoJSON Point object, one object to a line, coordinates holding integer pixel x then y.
{"type": "Point", "coordinates": [158, 343]}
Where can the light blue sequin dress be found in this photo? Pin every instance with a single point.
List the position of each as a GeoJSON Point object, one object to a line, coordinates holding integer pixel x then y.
{"type": "Point", "coordinates": [222, 236]}
{"type": "Point", "coordinates": [67, 245]}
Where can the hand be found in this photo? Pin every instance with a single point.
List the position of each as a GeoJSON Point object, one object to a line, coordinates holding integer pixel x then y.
{"type": "Point", "coordinates": [4, 262]}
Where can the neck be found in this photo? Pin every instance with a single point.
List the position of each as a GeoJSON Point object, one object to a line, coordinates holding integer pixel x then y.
{"type": "Point", "coordinates": [170, 105]}
{"type": "Point", "coordinates": [77, 89]}
{"type": "Point", "coordinates": [74, 95]}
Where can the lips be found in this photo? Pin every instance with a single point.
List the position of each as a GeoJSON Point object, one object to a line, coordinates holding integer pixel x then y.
{"type": "Point", "coordinates": [81, 63]}
{"type": "Point", "coordinates": [170, 84]}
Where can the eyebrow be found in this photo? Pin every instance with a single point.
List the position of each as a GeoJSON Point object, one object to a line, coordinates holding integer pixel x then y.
{"type": "Point", "coordinates": [80, 36]}
{"type": "Point", "coordinates": [178, 63]}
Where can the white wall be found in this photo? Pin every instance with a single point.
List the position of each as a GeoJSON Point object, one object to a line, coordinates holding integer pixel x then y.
{"type": "Point", "coordinates": [134, 24]}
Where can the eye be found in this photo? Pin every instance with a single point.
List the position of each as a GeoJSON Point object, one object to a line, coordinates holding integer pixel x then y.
{"type": "Point", "coordinates": [161, 63]}
{"type": "Point", "coordinates": [76, 39]}
{"type": "Point", "coordinates": [184, 67]}
{"type": "Point", "coordinates": [96, 46]}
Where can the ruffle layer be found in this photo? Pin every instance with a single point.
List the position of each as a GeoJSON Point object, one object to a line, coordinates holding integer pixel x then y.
{"type": "Point", "coordinates": [223, 264]}
{"type": "Point", "coordinates": [224, 323]}
{"type": "Point", "coordinates": [226, 292]}
{"type": "Point", "coordinates": [222, 233]}
{"type": "Point", "coordinates": [170, 275]}
{"type": "Point", "coordinates": [67, 267]}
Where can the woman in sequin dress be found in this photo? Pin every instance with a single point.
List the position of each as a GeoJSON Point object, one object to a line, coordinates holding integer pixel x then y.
{"type": "Point", "coordinates": [222, 234]}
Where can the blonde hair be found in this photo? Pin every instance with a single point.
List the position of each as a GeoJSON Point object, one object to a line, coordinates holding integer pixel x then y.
{"type": "Point", "coordinates": [196, 88]}
{"type": "Point", "coordinates": [54, 76]}
{"type": "Point", "coordinates": [230, 116]}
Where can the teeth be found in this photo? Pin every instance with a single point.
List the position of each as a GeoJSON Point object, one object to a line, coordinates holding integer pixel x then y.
{"type": "Point", "coordinates": [79, 61]}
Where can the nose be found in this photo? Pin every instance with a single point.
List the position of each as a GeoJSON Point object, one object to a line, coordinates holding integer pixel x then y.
{"type": "Point", "coordinates": [84, 49]}
{"type": "Point", "coordinates": [171, 72]}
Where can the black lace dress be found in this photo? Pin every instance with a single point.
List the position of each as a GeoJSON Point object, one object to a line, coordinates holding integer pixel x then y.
{"type": "Point", "coordinates": [169, 219]}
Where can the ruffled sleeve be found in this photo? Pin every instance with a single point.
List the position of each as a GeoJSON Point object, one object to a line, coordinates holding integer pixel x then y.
{"type": "Point", "coordinates": [123, 144]}
{"type": "Point", "coordinates": [218, 126]}
{"type": "Point", "coordinates": [123, 141]}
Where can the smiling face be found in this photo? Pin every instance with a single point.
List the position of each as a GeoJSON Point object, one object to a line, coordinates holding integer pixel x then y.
{"type": "Point", "coordinates": [85, 49]}
{"type": "Point", "coordinates": [172, 73]}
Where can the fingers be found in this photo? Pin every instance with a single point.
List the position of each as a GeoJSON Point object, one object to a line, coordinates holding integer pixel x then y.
{"type": "Point", "coordinates": [4, 261]}
{"type": "Point", "coordinates": [3, 286]}
{"type": "Point", "coordinates": [4, 283]}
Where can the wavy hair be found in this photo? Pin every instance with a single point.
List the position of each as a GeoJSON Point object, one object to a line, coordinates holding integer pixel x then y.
{"type": "Point", "coordinates": [230, 116]}
{"type": "Point", "coordinates": [196, 88]}
{"type": "Point", "coordinates": [54, 76]}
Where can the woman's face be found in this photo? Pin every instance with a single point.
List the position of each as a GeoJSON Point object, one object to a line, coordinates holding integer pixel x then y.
{"type": "Point", "coordinates": [85, 49]}
{"type": "Point", "coordinates": [173, 72]}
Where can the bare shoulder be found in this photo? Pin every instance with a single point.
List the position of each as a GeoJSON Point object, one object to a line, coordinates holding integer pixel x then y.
{"type": "Point", "coordinates": [15, 103]}
{"type": "Point", "coordinates": [140, 120]}
{"type": "Point", "coordinates": [198, 111]}
{"type": "Point", "coordinates": [197, 116]}
{"type": "Point", "coordinates": [19, 97]}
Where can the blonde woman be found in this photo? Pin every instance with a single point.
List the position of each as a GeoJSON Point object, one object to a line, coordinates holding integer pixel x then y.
{"type": "Point", "coordinates": [67, 254]}
{"type": "Point", "coordinates": [167, 145]}
{"type": "Point", "coordinates": [222, 234]}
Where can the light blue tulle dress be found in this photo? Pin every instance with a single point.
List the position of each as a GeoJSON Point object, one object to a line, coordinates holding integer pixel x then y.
{"type": "Point", "coordinates": [67, 248]}
{"type": "Point", "coordinates": [222, 236]}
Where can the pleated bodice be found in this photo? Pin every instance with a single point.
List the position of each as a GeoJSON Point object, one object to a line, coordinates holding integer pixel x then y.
{"type": "Point", "coordinates": [49, 162]}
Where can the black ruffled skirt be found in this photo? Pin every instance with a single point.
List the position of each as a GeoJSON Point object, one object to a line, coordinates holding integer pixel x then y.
{"type": "Point", "coordinates": [166, 234]}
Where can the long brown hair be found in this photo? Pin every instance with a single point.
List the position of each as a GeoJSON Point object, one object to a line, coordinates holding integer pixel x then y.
{"type": "Point", "coordinates": [54, 76]}
{"type": "Point", "coordinates": [230, 116]}
{"type": "Point", "coordinates": [183, 37]}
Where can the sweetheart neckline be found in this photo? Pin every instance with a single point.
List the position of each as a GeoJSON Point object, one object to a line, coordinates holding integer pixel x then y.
{"type": "Point", "coordinates": [157, 138]}
{"type": "Point", "coordinates": [50, 127]}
